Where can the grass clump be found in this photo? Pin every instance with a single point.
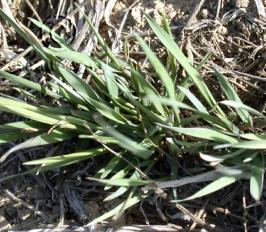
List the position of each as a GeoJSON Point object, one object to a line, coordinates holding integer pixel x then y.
{"type": "Point", "coordinates": [125, 117]}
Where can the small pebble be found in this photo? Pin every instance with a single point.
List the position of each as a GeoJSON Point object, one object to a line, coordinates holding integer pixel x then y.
{"type": "Point", "coordinates": [223, 30]}
{"type": "Point", "coordinates": [204, 13]}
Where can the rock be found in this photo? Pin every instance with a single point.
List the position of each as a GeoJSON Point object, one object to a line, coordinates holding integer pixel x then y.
{"type": "Point", "coordinates": [242, 3]}
{"type": "Point", "coordinates": [4, 224]}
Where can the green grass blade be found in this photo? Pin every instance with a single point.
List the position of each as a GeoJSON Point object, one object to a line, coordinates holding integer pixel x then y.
{"type": "Point", "coordinates": [204, 60]}
{"type": "Point", "coordinates": [46, 29]}
{"type": "Point", "coordinates": [80, 86]}
{"type": "Point", "coordinates": [212, 120]}
{"type": "Point", "coordinates": [195, 101]}
{"type": "Point", "coordinates": [101, 40]}
{"type": "Point", "coordinates": [232, 95]}
{"type": "Point", "coordinates": [119, 192]}
{"type": "Point", "coordinates": [256, 145]}
{"type": "Point", "coordinates": [40, 140]}
{"type": "Point", "coordinates": [172, 47]}
{"type": "Point", "coordinates": [23, 125]}
{"type": "Point", "coordinates": [171, 62]}
{"type": "Point", "coordinates": [161, 71]}
{"type": "Point", "coordinates": [250, 136]}
{"type": "Point", "coordinates": [257, 177]}
{"type": "Point", "coordinates": [117, 175]}
{"type": "Point", "coordinates": [165, 24]}
{"type": "Point", "coordinates": [213, 187]}
{"type": "Point", "coordinates": [28, 84]}
{"type": "Point", "coordinates": [170, 102]}
{"type": "Point", "coordinates": [78, 57]}
{"type": "Point", "coordinates": [13, 136]}
{"type": "Point", "coordinates": [127, 143]}
{"type": "Point", "coordinates": [89, 95]}
{"type": "Point", "coordinates": [145, 110]}
{"type": "Point", "coordinates": [51, 163]}
{"type": "Point", "coordinates": [108, 112]}
{"type": "Point", "coordinates": [110, 80]}
{"type": "Point", "coordinates": [221, 157]}
{"type": "Point", "coordinates": [238, 105]}
{"type": "Point", "coordinates": [40, 114]}
{"type": "Point", "coordinates": [159, 68]}
{"type": "Point", "coordinates": [17, 130]}
{"type": "Point", "coordinates": [66, 91]}
{"type": "Point", "coordinates": [108, 168]}
{"type": "Point", "coordinates": [63, 158]}
{"type": "Point", "coordinates": [203, 133]}
{"type": "Point", "coordinates": [25, 33]}
{"type": "Point", "coordinates": [118, 209]}
{"type": "Point", "coordinates": [144, 87]}
{"type": "Point", "coordinates": [120, 182]}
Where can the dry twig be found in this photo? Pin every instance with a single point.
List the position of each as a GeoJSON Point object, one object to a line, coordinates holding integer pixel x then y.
{"type": "Point", "coordinates": [27, 205]}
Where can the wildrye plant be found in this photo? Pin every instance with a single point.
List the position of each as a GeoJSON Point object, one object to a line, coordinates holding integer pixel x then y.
{"type": "Point", "coordinates": [130, 117]}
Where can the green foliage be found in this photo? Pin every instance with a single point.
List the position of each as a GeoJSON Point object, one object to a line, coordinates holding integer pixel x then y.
{"type": "Point", "coordinates": [124, 111]}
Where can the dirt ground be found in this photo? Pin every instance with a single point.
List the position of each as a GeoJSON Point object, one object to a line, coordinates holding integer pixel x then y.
{"type": "Point", "coordinates": [233, 31]}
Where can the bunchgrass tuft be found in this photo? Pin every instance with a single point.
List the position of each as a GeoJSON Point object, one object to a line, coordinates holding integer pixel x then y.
{"type": "Point", "coordinates": [129, 117]}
